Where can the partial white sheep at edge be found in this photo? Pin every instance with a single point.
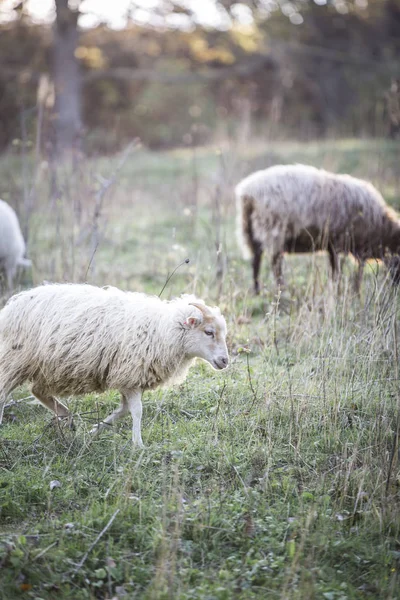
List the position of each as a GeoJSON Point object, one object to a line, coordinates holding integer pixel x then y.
{"type": "Point", "coordinates": [12, 245]}
{"type": "Point", "coordinates": [75, 339]}
{"type": "Point", "coordinates": [298, 208]}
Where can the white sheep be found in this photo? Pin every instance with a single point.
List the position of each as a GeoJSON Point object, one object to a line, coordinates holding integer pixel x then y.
{"type": "Point", "coordinates": [74, 339]}
{"type": "Point", "coordinates": [12, 245]}
{"type": "Point", "coordinates": [298, 208]}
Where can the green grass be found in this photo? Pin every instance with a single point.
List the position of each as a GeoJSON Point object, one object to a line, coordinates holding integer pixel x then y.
{"type": "Point", "coordinates": [278, 478]}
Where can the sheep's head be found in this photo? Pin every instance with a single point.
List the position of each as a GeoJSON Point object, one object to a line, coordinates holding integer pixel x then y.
{"type": "Point", "coordinates": [205, 334]}
{"type": "Point", "coordinates": [392, 254]}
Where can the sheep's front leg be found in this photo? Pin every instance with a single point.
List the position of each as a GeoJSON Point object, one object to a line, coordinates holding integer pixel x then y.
{"type": "Point", "coordinates": [359, 276]}
{"type": "Point", "coordinates": [3, 400]}
{"type": "Point", "coordinates": [117, 414]}
{"type": "Point", "coordinates": [134, 399]}
{"type": "Point", "coordinates": [334, 261]}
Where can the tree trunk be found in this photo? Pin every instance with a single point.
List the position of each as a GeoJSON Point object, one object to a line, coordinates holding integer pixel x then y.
{"type": "Point", "coordinates": [67, 80]}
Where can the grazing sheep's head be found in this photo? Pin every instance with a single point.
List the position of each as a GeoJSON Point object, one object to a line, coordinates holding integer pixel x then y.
{"type": "Point", "coordinates": [206, 334]}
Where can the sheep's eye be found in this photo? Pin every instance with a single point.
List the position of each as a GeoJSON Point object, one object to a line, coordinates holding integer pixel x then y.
{"type": "Point", "coordinates": [209, 332]}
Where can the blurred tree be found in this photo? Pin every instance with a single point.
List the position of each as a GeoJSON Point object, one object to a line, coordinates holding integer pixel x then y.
{"type": "Point", "coordinates": [393, 108]}
{"type": "Point", "coordinates": [30, 53]}
{"type": "Point", "coordinates": [279, 76]}
{"type": "Point", "coordinates": [67, 79]}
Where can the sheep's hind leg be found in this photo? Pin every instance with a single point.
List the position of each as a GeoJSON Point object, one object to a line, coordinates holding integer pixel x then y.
{"type": "Point", "coordinates": [135, 408]}
{"type": "Point", "coordinates": [7, 385]}
{"type": "Point", "coordinates": [277, 260]}
{"type": "Point", "coordinates": [51, 403]}
{"type": "Point", "coordinates": [359, 276]}
{"type": "Point", "coordinates": [3, 400]}
{"type": "Point", "coordinates": [256, 262]}
{"type": "Point", "coordinates": [10, 277]}
{"type": "Point", "coordinates": [117, 414]}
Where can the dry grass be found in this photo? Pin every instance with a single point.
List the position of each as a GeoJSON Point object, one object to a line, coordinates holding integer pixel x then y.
{"type": "Point", "coordinates": [277, 479]}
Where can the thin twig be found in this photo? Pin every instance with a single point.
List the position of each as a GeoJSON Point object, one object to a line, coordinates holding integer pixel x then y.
{"type": "Point", "coordinates": [219, 405]}
{"type": "Point", "coordinates": [275, 312]}
{"type": "Point", "coordinates": [45, 550]}
{"type": "Point", "coordinates": [102, 532]}
{"type": "Point", "coordinates": [100, 194]}
{"type": "Point", "coordinates": [14, 402]}
{"type": "Point", "coordinates": [187, 414]}
{"type": "Point", "coordinates": [184, 262]}
{"type": "Point", "coordinates": [112, 464]}
{"type": "Point", "coordinates": [397, 430]}
{"type": "Point", "coordinates": [91, 260]}
{"type": "Point", "coordinates": [254, 392]}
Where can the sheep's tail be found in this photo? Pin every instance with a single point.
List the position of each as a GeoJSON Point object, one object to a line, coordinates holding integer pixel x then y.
{"type": "Point", "coordinates": [244, 224]}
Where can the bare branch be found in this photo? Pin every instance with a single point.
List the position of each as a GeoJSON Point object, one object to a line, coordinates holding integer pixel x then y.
{"type": "Point", "coordinates": [99, 198]}
{"type": "Point", "coordinates": [240, 69]}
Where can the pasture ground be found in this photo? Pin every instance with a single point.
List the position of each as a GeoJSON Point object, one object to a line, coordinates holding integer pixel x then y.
{"type": "Point", "coordinates": [279, 478]}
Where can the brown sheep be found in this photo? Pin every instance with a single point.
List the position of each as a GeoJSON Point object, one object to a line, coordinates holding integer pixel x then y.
{"type": "Point", "coordinates": [298, 208]}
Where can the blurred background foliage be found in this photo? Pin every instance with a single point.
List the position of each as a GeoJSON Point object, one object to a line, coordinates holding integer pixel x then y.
{"type": "Point", "coordinates": [302, 69]}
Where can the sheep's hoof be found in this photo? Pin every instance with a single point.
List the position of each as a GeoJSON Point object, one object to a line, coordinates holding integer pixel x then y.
{"type": "Point", "coordinates": [138, 445]}
{"type": "Point", "coordinates": [71, 424]}
{"type": "Point", "coordinates": [65, 420]}
{"type": "Point", "coordinates": [100, 427]}
{"type": "Point", "coordinates": [96, 429]}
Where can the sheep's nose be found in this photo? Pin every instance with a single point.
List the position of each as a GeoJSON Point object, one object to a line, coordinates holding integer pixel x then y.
{"type": "Point", "coordinates": [224, 360]}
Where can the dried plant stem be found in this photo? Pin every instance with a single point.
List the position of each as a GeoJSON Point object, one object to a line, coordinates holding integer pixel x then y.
{"type": "Point", "coordinates": [395, 443]}
{"type": "Point", "coordinates": [102, 532]}
{"type": "Point", "coordinates": [99, 200]}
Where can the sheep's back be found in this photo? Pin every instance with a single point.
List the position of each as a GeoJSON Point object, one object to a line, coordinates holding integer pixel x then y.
{"type": "Point", "coordinates": [296, 197]}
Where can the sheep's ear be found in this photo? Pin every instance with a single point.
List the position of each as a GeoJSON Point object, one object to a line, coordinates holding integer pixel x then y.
{"type": "Point", "coordinates": [191, 322]}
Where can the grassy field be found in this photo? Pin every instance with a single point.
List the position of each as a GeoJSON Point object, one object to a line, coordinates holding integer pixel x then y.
{"type": "Point", "coordinates": [279, 478]}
